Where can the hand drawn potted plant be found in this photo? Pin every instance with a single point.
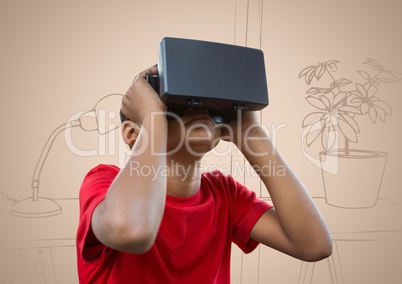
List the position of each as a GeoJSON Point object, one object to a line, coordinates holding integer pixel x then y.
{"type": "Point", "coordinates": [357, 180]}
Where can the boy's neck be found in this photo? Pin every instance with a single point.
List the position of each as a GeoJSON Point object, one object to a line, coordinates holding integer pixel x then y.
{"type": "Point", "coordinates": [183, 178]}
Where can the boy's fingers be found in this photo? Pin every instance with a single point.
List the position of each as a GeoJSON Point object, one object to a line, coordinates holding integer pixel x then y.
{"type": "Point", "coordinates": [138, 88]}
{"type": "Point", "coordinates": [152, 70]}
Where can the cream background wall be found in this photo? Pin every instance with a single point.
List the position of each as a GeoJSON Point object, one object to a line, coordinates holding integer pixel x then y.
{"type": "Point", "coordinates": [59, 58]}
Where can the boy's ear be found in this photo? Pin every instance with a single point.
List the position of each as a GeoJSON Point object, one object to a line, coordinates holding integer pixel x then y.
{"type": "Point", "coordinates": [129, 131]}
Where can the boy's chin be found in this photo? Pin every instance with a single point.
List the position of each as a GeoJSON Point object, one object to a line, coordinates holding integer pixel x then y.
{"type": "Point", "coordinates": [201, 147]}
{"type": "Point", "coordinates": [202, 133]}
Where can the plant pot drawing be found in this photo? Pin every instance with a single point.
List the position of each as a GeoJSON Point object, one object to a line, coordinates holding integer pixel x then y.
{"type": "Point", "coordinates": [357, 183]}
{"type": "Point", "coordinates": [352, 177]}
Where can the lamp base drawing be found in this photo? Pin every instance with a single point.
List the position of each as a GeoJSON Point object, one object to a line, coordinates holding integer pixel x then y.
{"type": "Point", "coordinates": [39, 208]}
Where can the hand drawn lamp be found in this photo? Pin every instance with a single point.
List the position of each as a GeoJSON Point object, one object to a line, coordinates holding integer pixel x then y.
{"type": "Point", "coordinates": [38, 207]}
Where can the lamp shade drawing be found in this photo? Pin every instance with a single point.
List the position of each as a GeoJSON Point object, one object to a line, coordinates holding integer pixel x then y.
{"type": "Point", "coordinates": [38, 207]}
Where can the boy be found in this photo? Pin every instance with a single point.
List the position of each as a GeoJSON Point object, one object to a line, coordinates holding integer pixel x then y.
{"type": "Point", "coordinates": [177, 226]}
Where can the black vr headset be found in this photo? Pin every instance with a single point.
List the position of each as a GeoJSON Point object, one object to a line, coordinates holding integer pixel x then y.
{"type": "Point", "coordinates": [222, 78]}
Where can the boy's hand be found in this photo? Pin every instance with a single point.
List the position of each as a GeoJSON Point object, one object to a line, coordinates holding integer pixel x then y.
{"type": "Point", "coordinates": [241, 126]}
{"type": "Point", "coordinates": [141, 99]}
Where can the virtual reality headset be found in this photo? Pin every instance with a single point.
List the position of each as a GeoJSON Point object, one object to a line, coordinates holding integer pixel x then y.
{"type": "Point", "coordinates": [222, 78]}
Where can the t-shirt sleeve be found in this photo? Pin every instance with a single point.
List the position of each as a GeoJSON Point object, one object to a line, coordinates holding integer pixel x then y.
{"type": "Point", "coordinates": [247, 210]}
{"type": "Point", "coordinates": [92, 192]}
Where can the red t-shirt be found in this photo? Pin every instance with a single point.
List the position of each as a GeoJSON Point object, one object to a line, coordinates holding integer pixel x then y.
{"type": "Point", "coordinates": [194, 240]}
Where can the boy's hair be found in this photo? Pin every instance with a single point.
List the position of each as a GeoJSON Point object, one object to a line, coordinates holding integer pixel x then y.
{"type": "Point", "coordinates": [122, 117]}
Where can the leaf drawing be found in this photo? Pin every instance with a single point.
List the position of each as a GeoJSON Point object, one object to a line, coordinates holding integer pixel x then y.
{"type": "Point", "coordinates": [336, 107]}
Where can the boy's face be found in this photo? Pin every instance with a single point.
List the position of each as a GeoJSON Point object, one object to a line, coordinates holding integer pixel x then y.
{"type": "Point", "coordinates": [193, 133]}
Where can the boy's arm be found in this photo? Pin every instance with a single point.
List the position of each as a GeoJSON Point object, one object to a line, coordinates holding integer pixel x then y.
{"type": "Point", "coordinates": [294, 226]}
{"type": "Point", "coordinates": [128, 218]}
